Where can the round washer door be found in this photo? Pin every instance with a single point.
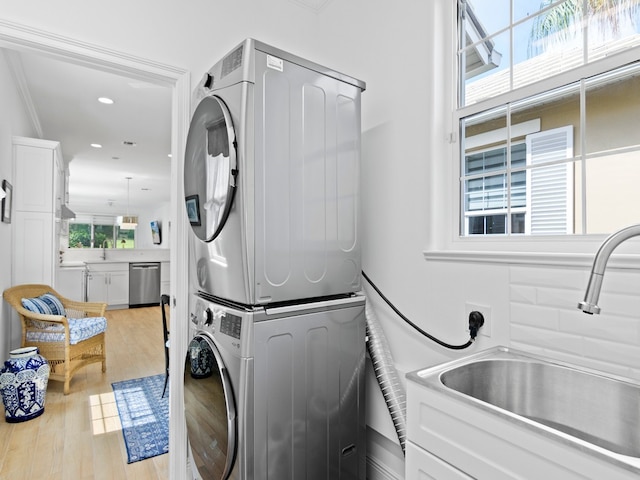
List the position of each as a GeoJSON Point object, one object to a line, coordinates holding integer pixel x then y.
{"type": "Point", "coordinates": [210, 168]}
{"type": "Point", "coordinates": [210, 410]}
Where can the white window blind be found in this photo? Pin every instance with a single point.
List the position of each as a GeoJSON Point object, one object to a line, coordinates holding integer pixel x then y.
{"type": "Point", "coordinates": [550, 192]}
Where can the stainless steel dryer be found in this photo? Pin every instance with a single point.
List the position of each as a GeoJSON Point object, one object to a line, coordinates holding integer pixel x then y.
{"type": "Point", "coordinates": [276, 393]}
{"type": "Point", "coordinates": [271, 179]}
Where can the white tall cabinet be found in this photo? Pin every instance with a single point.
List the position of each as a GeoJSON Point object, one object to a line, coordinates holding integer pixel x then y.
{"type": "Point", "coordinates": [39, 192]}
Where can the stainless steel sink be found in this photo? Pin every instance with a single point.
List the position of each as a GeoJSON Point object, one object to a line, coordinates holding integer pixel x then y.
{"type": "Point", "coordinates": [581, 406]}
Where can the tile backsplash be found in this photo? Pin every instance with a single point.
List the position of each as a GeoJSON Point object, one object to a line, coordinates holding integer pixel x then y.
{"type": "Point", "coordinates": [544, 317]}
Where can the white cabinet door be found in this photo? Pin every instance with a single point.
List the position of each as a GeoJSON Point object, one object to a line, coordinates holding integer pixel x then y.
{"type": "Point", "coordinates": [37, 166]}
{"type": "Point", "coordinates": [32, 256]}
{"type": "Point", "coordinates": [110, 287]}
{"type": "Point", "coordinates": [70, 283]}
{"type": "Point", "coordinates": [118, 286]}
{"type": "Point", "coordinates": [97, 287]}
{"type": "Point", "coordinates": [34, 179]}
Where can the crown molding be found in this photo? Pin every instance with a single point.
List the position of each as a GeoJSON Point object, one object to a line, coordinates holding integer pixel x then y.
{"type": "Point", "coordinates": [14, 60]}
{"type": "Point", "coordinates": [23, 37]}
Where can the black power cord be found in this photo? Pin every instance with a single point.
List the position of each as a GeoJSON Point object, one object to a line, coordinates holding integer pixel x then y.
{"type": "Point", "coordinates": [476, 320]}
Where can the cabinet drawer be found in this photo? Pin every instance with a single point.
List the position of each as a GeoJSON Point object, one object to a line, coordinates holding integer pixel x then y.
{"type": "Point", "coordinates": [421, 465]}
{"type": "Point", "coordinates": [108, 267]}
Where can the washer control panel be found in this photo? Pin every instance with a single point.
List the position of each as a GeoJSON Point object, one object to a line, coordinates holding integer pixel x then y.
{"type": "Point", "coordinates": [231, 325]}
{"type": "Point", "coordinates": [214, 318]}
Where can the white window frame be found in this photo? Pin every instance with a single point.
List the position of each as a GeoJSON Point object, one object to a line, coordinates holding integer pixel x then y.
{"type": "Point", "coordinates": [445, 242]}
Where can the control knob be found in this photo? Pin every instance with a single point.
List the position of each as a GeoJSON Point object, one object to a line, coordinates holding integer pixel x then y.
{"type": "Point", "coordinates": [208, 317]}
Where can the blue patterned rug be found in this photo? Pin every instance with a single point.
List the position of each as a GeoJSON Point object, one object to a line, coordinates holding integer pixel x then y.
{"type": "Point", "coordinates": [144, 414]}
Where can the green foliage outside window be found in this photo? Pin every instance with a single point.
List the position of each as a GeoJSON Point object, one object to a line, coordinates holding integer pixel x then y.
{"type": "Point", "coordinates": [79, 235]}
{"type": "Point", "coordinates": [109, 236]}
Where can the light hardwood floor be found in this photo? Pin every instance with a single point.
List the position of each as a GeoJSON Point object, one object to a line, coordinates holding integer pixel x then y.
{"type": "Point", "coordinates": [78, 435]}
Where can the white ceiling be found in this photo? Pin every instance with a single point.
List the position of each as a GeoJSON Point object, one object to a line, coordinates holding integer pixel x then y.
{"type": "Point", "coordinates": [65, 102]}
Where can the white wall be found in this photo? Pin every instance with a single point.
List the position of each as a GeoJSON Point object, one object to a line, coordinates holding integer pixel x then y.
{"type": "Point", "coordinates": [143, 232]}
{"type": "Point", "coordinates": [13, 121]}
{"type": "Point", "coordinates": [401, 51]}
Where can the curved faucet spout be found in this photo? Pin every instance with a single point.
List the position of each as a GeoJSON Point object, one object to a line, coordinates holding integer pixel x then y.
{"type": "Point", "coordinates": [590, 303]}
{"type": "Point", "coordinates": [105, 244]}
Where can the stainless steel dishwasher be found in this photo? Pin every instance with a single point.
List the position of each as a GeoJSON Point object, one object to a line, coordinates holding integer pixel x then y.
{"type": "Point", "coordinates": [144, 284]}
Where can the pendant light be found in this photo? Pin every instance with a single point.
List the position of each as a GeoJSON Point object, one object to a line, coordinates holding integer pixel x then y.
{"type": "Point", "coordinates": [128, 222]}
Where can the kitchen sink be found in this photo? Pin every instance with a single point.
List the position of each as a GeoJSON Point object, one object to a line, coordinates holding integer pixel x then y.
{"type": "Point", "coordinates": [587, 411]}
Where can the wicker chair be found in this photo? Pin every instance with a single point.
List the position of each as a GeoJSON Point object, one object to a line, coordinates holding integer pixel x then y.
{"type": "Point", "coordinates": [64, 357]}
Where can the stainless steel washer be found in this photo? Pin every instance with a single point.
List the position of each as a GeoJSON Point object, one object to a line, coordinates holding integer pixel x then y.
{"type": "Point", "coordinates": [276, 393]}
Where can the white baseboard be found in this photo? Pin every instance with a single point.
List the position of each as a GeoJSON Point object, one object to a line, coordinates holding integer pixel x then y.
{"type": "Point", "coordinates": [385, 460]}
{"type": "Point", "coordinates": [379, 471]}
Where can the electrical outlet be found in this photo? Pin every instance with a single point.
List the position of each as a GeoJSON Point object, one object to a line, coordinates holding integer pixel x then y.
{"type": "Point", "coordinates": [485, 310]}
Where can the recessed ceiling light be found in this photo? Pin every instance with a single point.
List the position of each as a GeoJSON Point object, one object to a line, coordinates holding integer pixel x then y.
{"type": "Point", "coordinates": [96, 145]}
{"type": "Point", "coordinates": [105, 100]}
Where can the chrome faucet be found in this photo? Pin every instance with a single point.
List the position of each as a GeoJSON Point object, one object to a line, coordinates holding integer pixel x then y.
{"type": "Point", "coordinates": [104, 249]}
{"type": "Point", "coordinates": [590, 303]}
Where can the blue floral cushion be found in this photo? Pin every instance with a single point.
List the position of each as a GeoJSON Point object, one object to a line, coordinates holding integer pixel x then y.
{"type": "Point", "coordinates": [79, 329]}
{"type": "Point", "coordinates": [46, 304]}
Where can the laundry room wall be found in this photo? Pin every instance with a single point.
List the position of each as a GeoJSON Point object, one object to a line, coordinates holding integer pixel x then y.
{"type": "Point", "coordinates": [400, 50]}
{"type": "Point", "coordinates": [14, 120]}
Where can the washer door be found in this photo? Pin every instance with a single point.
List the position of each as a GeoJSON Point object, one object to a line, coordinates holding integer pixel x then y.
{"type": "Point", "coordinates": [210, 410]}
{"type": "Point", "coordinates": [210, 168]}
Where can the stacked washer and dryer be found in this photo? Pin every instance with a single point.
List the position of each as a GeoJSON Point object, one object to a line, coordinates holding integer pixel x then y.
{"type": "Point", "coordinates": [274, 374]}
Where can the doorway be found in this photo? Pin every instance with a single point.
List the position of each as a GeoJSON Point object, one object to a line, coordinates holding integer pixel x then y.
{"type": "Point", "coordinates": [25, 38]}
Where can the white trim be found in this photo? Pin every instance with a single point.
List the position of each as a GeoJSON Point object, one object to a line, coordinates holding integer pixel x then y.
{"type": "Point", "coordinates": [377, 470]}
{"type": "Point", "coordinates": [500, 134]}
{"type": "Point", "coordinates": [32, 142]}
{"type": "Point", "coordinates": [539, 259]}
{"type": "Point", "coordinates": [181, 116]}
{"type": "Point", "coordinates": [17, 71]}
{"type": "Point", "coordinates": [23, 37]}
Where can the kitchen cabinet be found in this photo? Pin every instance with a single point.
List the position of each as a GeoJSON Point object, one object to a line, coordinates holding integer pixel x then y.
{"type": "Point", "coordinates": [71, 282]}
{"type": "Point", "coordinates": [108, 283]}
{"type": "Point", "coordinates": [39, 175]}
{"type": "Point", "coordinates": [38, 189]}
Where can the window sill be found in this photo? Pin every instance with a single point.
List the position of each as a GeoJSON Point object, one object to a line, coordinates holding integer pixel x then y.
{"type": "Point", "coordinates": [548, 259]}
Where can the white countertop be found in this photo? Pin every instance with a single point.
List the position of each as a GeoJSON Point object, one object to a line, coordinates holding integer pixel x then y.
{"type": "Point", "coordinates": [73, 265]}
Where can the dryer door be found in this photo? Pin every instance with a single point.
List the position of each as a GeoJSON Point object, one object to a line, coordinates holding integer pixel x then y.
{"type": "Point", "coordinates": [210, 168]}
{"type": "Point", "coordinates": [210, 410]}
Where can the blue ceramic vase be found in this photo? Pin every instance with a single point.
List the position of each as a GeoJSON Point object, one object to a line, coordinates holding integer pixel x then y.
{"type": "Point", "coordinates": [201, 358]}
{"type": "Point", "coordinates": [23, 384]}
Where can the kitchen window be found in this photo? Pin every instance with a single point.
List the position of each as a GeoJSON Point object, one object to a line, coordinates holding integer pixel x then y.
{"type": "Point", "coordinates": [548, 114]}
{"type": "Point", "coordinates": [98, 232]}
